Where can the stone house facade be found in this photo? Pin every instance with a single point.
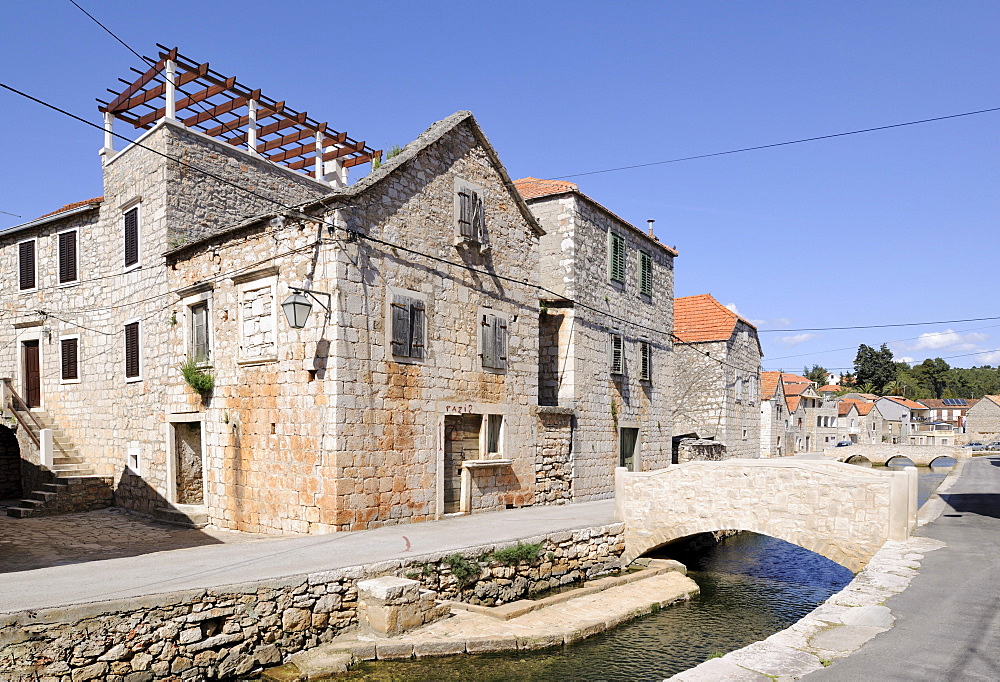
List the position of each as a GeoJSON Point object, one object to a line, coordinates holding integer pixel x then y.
{"type": "Point", "coordinates": [606, 354]}
{"type": "Point", "coordinates": [982, 421]}
{"type": "Point", "coordinates": [774, 417]}
{"type": "Point", "coordinates": [408, 394]}
{"type": "Point", "coordinates": [717, 375]}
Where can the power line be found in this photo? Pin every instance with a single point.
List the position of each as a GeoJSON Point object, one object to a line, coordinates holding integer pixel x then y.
{"type": "Point", "coordinates": [875, 326]}
{"type": "Point", "coordinates": [778, 144]}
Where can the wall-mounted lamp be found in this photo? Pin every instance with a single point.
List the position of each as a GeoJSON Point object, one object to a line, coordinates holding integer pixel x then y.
{"type": "Point", "coordinates": [297, 306]}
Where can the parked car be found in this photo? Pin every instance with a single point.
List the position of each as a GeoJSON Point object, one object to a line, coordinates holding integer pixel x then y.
{"type": "Point", "coordinates": [844, 443]}
{"type": "Point", "coordinates": [974, 445]}
{"type": "Point", "coordinates": [995, 445]}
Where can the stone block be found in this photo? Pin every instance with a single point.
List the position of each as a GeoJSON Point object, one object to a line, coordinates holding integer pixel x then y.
{"type": "Point", "coordinates": [387, 651]}
{"type": "Point", "coordinates": [844, 638]}
{"type": "Point", "coordinates": [438, 648]}
{"type": "Point", "coordinates": [389, 589]}
{"type": "Point", "coordinates": [485, 645]}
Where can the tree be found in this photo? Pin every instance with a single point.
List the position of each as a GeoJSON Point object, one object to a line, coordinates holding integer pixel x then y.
{"type": "Point", "coordinates": [933, 376]}
{"type": "Point", "coordinates": [817, 374]}
{"type": "Point", "coordinates": [874, 366]}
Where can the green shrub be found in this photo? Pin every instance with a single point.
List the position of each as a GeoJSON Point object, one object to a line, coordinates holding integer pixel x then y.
{"type": "Point", "coordinates": [512, 556]}
{"type": "Point", "coordinates": [465, 571]}
{"type": "Point", "coordinates": [198, 379]}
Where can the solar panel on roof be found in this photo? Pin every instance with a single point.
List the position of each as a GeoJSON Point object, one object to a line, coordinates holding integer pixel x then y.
{"type": "Point", "coordinates": [955, 402]}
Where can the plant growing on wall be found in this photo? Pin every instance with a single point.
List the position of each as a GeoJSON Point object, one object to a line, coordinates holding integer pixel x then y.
{"type": "Point", "coordinates": [465, 571]}
{"type": "Point", "coordinates": [198, 379]}
{"type": "Point", "coordinates": [511, 556]}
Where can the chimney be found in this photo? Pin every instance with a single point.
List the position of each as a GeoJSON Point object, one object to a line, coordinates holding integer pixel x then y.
{"type": "Point", "coordinates": [650, 221]}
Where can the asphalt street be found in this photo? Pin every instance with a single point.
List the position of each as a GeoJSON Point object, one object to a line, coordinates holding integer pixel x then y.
{"type": "Point", "coordinates": [948, 620]}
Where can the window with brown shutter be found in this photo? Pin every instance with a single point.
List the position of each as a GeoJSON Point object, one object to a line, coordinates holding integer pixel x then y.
{"type": "Point", "coordinates": [26, 265]}
{"type": "Point", "coordinates": [132, 350]}
{"type": "Point", "coordinates": [131, 221]}
{"type": "Point", "coordinates": [67, 257]}
{"type": "Point", "coordinates": [408, 321]}
{"type": "Point", "coordinates": [70, 358]}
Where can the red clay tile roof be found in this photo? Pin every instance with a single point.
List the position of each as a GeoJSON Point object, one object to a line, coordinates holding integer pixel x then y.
{"type": "Point", "coordinates": [75, 204]}
{"type": "Point", "coordinates": [992, 398]}
{"type": "Point", "coordinates": [531, 188]}
{"type": "Point", "coordinates": [795, 389]}
{"type": "Point", "coordinates": [865, 408]}
{"type": "Point", "coordinates": [793, 402]}
{"type": "Point", "coordinates": [845, 406]}
{"type": "Point", "coordinates": [768, 384]}
{"type": "Point", "coordinates": [702, 318]}
{"type": "Point", "coordinates": [829, 388]}
{"type": "Point", "coordinates": [789, 378]}
{"type": "Point", "coordinates": [905, 402]}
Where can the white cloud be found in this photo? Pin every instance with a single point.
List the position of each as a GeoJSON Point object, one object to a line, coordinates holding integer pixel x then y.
{"type": "Point", "coordinates": [732, 306]}
{"type": "Point", "coordinates": [948, 339]}
{"type": "Point", "coordinates": [988, 358]}
{"type": "Point", "coordinates": [797, 339]}
{"type": "Point", "coordinates": [905, 358]}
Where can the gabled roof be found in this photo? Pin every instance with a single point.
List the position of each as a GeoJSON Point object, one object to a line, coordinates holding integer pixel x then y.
{"type": "Point", "coordinates": [995, 399]}
{"type": "Point", "coordinates": [905, 402]}
{"type": "Point", "coordinates": [829, 388]}
{"type": "Point", "coordinates": [789, 378]}
{"type": "Point", "coordinates": [345, 194]}
{"type": "Point", "coordinates": [76, 204]}
{"type": "Point", "coordinates": [937, 404]}
{"type": "Point", "coordinates": [537, 188]}
{"type": "Point", "coordinates": [844, 407]}
{"type": "Point", "coordinates": [702, 318]}
{"type": "Point", "coordinates": [862, 406]}
{"type": "Point", "coordinates": [793, 402]}
{"type": "Point", "coordinates": [769, 384]}
{"type": "Point", "coordinates": [532, 188]}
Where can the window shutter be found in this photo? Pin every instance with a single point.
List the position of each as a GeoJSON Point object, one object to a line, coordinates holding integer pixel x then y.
{"type": "Point", "coordinates": [417, 321]}
{"type": "Point", "coordinates": [500, 343]}
{"type": "Point", "coordinates": [131, 237]}
{"type": "Point", "coordinates": [617, 359]}
{"type": "Point", "coordinates": [645, 273]}
{"type": "Point", "coordinates": [478, 217]}
{"type": "Point", "coordinates": [487, 342]}
{"type": "Point", "coordinates": [617, 257]}
{"type": "Point", "coordinates": [70, 359]}
{"type": "Point", "coordinates": [400, 326]}
{"type": "Point", "coordinates": [646, 361]}
{"type": "Point", "coordinates": [132, 350]}
{"type": "Point", "coordinates": [465, 213]}
{"type": "Point", "coordinates": [26, 265]}
{"type": "Point", "coordinates": [67, 257]}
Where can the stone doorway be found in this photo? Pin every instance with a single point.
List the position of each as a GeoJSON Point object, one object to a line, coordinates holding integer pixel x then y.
{"type": "Point", "coordinates": [461, 442]}
{"type": "Point", "coordinates": [32, 374]}
{"type": "Point", "coordinates": [188, 463]}
{"type": "Point", "coordinates": [10, 466]}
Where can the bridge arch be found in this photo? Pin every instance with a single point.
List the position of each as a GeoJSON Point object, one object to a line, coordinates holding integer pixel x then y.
{"type": "Point", "coordinates": [881, 453]}
{"type": "Point", "coordinates": [842, 512]}
{"type": "Point", "coordinates": [857, 459]}
{"type": "Point", "coordinates": [900, 460]}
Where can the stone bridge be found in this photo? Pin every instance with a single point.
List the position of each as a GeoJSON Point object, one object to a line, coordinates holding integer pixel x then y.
{"type": "Point", "coordinates": [841, 511]}
{"type": "Point", "coordinates": [882, 453]}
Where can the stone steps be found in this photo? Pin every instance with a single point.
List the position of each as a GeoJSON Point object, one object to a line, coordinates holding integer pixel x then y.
{"type": "Point", "coordinates": [186, 515]}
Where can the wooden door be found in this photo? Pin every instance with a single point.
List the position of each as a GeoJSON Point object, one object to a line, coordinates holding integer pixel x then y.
{"type": "Point", "coordinates": [32, 375]}
{"type": "Point", "coordinates": [461, 442]}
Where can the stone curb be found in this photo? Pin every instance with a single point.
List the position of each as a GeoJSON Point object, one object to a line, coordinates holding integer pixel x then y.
{"type": "Point", "coordinates": [834, 629]}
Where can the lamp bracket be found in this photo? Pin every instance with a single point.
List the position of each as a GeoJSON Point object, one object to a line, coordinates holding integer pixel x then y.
{"type": "Point", "coordinates": [313, 295]}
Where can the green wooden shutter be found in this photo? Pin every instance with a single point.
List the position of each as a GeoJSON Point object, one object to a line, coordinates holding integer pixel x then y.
{"type": "Point", "coordinates": [645, 273]}
{"type": "Point", "coordinates": [646, 361]}
{"type": "Point", "coordinates": [616, 257]}
{"type": "Point", "coordinates": [417, 324]}
{"type": "Point", "coordinates": [617, 354]}
{"type": "Point", "coordinates": [400, 325]}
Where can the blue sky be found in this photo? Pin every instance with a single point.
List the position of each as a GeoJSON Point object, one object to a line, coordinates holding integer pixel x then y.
{"type": "Point", "coordinates": [885, 227]}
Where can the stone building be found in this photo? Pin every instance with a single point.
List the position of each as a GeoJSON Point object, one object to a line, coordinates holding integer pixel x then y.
{"type": "Point", "coordinates": [774, 417]}
{"type": "Point", "coordinates": [606, 352]}
{"type": "Point", "coordinates": [858, 421]}
{"type": "Point", "coordinates": [407, 394]}
{"type": "Point", "coordinates": [717, 375]}
{"type": "Point", "coordinates": [982, 421]}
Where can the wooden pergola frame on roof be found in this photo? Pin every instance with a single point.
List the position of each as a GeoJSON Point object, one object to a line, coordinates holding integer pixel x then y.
{"type": "Point", "coordinates": [193, 94]}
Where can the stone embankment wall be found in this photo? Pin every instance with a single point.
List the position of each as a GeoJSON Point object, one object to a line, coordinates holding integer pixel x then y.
{"type": "Point", "coordinates": [840, 511]}
{"type": "Point", "coordinates": [880, 453]}
{"type": "Point", "coordinates": [225, 632]}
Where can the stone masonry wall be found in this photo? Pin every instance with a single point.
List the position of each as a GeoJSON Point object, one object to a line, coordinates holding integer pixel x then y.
{"type": "Point", "coordinates": [553, 465]}
{"type": "Point", "coordinates": [575, 264]}
{"type": "Point", "coordinates": [982, 421]}
{"type": "Point", "coordinates": [333, 432]}
{"type": "Point", "coordinates": [226, 632]}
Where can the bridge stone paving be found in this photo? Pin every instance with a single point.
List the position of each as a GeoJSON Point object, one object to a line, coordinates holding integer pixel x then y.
{"type": "Point", "coordinates": [843, 512]}
{"type": "Point", "coordinates": [882, 453]}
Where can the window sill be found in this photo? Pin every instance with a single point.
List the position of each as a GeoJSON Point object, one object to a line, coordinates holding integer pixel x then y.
{"type": "Point", "coordinates": [28, 291]}
{"type": "Point", "coordinates": [133, 380]}
{"type": "Point", "coordinates": [408, 361]}
{"type": "Point", "coordinates": [134, 266]}
{"type": "Point", "coordinates": [70, 381]}
{"type": "Point", "coordinates": [63, 285]}
{"type": "Point", "coordinates": [246, 362]}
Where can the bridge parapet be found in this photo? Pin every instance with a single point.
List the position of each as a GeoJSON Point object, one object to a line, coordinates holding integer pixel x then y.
{"type": "Point", "coordinates": [881, 453]}
{"type": "Point", "coordinates": [843, 512]}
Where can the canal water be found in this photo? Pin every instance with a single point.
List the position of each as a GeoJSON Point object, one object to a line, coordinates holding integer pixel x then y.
{"type": "Point", "coordinates": [751, 587]}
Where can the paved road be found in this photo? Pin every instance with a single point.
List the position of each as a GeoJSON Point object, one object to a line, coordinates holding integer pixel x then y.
{"type": "Point", "coordinates": [225, 564]}
{"type": "Point", "coordinates": [948, 619]}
